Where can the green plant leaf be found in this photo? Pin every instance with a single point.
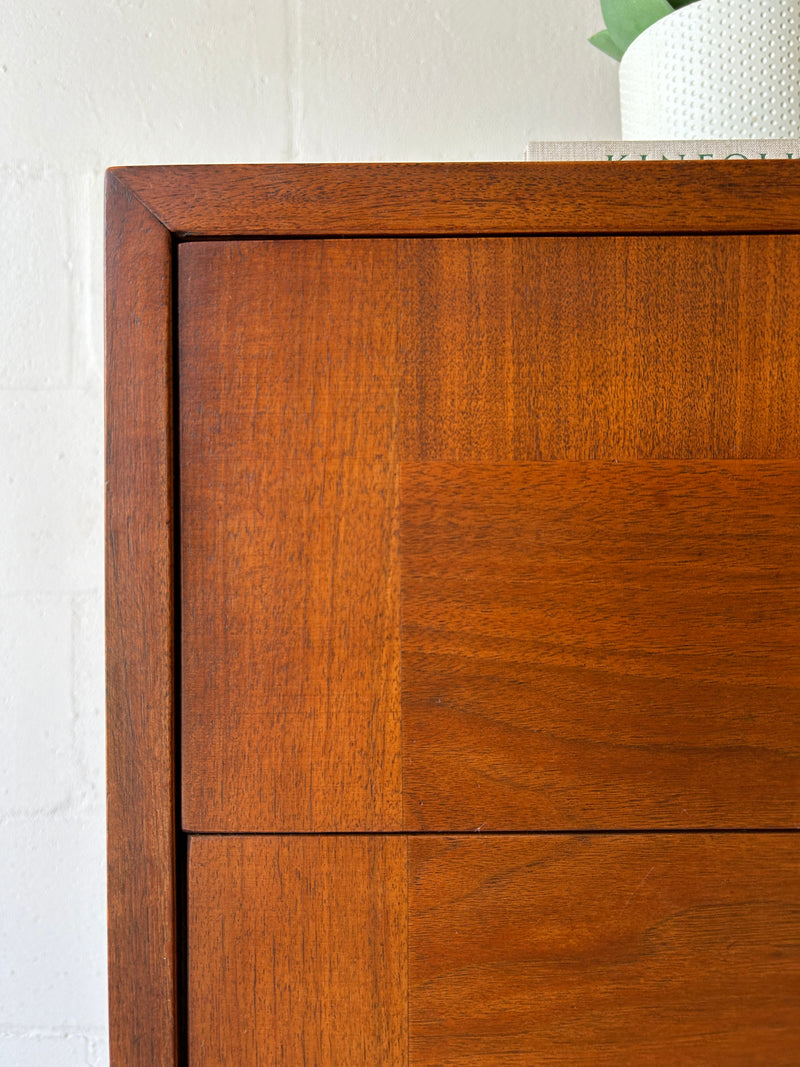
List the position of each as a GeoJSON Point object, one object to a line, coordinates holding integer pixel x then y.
{"type": "Point", "coordinates": [681, 3]}
{"type": "Point", "coordinates": [626, 19]}
{"type": "Point", "coordinates": [606, 43]}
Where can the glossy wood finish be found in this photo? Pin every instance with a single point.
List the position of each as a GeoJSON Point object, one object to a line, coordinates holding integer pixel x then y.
{"type": "Point", "coordinates": [142, 821]}
{"type": "Point", "coordinates": [637, 949]}
{"type": "Point", "coordinates": [288, 489]}
{"type": "Point", "coordinates": [660, 374]}
{"type": "Point", "coordinates": [337, 200]}
{"type": "Point", "coordinates": [601, 348]}
{"type": "Point", "coordinates": [601, 645]}
{"type": "Point", "coordinates": [290, 625]}
{"type": "Point", "coordinates": [297, 951]}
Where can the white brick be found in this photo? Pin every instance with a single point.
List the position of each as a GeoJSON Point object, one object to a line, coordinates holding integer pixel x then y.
{"type": "Point", "coordinates": [89, 698]}
{"type": "Point", "coordinates": [45, 1050]}
{"type": "Point", "coordinates": [450, 79]}
{"type": "Point", "coordinates": [145, 82]}
{"type": "Point", "coordinates": [35, 279]}
{"type": "Point", "coordinates": [50, 491]}
{"type": "Point", "coordinates": [99, 1051]}
{"type": "Point", "coordinates": [85, 201]}
{"type": "Point", "coordinates": [52, 924]}
{"type": "Point", "coordinates": [38, 766]}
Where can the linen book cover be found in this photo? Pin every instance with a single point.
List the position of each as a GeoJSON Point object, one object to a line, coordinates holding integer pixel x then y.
{"type": "Point", "coordinates": [621, 151]}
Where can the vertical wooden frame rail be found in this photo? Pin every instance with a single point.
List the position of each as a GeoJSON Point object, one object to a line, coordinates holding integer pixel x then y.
{"type": "Point", "coordinates": [148, 211]}
{"type": "Point", "coordinates": [140, 615]}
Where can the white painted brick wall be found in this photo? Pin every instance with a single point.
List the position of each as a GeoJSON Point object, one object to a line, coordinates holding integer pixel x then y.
{"type": "Point", "coordinates": [88, 85]}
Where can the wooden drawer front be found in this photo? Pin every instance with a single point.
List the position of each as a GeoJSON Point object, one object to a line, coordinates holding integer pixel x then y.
{"type": "Point", "coordinates": [594, 949]}
{"type": "Point", "coordinates": [312, 371]}
{"type": "Point", "coordinates": [601, 645]}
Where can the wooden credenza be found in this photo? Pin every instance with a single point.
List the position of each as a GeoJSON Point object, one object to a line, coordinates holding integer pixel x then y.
{"type": "Point", "coordinates": [454, 614]}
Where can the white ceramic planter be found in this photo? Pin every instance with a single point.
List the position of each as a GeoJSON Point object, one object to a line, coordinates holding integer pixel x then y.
{"type": "Point", "coordinates": [715, 70]}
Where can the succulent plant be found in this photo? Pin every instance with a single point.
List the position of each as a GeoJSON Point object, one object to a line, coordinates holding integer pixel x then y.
{"type": "Point", "coordinates": [626, 19]}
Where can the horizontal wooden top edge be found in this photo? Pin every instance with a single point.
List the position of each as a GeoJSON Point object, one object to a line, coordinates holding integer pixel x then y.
{"type": "Point", "coordinates": [437, 199]}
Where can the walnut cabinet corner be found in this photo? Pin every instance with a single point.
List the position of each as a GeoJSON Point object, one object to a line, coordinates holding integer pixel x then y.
{"type": "Point", "coordinates": [453, 563]}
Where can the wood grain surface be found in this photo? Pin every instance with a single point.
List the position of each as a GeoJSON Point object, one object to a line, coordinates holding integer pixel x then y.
{"type": "Point", "coordinates": [601, 645]}
{"type": "Point", "coordinates": [297, 951]}
{"type": "Point", "coordinates": [293, 413]}
{"type": "Point", "coordinates": [542, 328]}
{"type": "Point", "coordinates": [469, 198]}
{"type": "Point", "coordinates": [657, 347]}
{"type": "Point", "coordinates": [142, 821]}
{"type": "Point", "coordinates": [645, 949]}
{"type": "Point", "coordinates": [290, 625]}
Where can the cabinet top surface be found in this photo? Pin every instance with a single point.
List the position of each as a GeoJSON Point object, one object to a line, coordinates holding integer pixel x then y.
{"type": "Point", "coordinates": [370, 199]}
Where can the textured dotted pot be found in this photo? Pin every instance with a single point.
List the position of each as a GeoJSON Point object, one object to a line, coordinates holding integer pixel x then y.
{"type": "Point", "coordinates": [717, 69]}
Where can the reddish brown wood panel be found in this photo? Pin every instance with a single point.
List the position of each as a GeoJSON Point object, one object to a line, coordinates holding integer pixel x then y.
{"type": "Point", "coordinates": [297, 951]}
{"type": "Point", "coordinates": [640, 949]}
{"type": "Point", "coordinates": [142, 824]}
{"type": "Point", "coordinates": [290, 625]}
{"type": "Point", "coordinates": [601, 348]}
{"type": "Point", "coordinates": [698, 360]}
{"type": "Point", "coordinates": [468, 198]}
{"type": "Point", "coordinates": [601, 645]}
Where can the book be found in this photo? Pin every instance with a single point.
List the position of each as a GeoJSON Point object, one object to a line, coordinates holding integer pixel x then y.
{"type": "Point", "coordinates": [634, 151]}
